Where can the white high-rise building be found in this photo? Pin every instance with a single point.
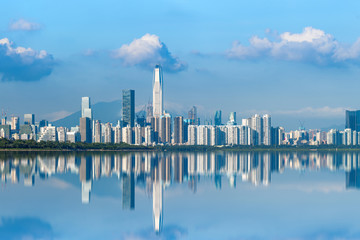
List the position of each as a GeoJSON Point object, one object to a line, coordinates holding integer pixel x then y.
{"type": "Point", "coordinates": [148, 135]}
{"type": "Point", "coordinates": [192, 135]}
{"type": "Point", "coordinates": [117, 134]}
{"type": "Point", "coordinates": [267, 129]}
{"type": "Point", "coordinates": [158, 104]}
{"type": "Point", "coordinates": [203, 135]}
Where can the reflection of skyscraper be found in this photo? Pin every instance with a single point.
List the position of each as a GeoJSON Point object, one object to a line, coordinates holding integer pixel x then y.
{"type": "Point", "coordinates": [128, 191]}
{"type": "Point", "coordinates": [128, 109]}
{"type": "Point", "coordinates": [85, 178]}
{"type": "Point", "coordinates": [158, 104]}
{"type": "Point", "coordinates": [353, 178]}
{"type": "Point", "coordinates": [158, 206]}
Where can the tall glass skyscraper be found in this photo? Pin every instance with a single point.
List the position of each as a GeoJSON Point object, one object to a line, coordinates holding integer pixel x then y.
{"type": "Point", "coordinates": [158, 104]}
{"type": "Point", "coordinates": [217, 118]}
{"type": "Point", "coordinates": [352, 120]}
{"type": "Point", "coordinates": [128, 110]}
{"type": "Point", "coordinates": [86, 108]}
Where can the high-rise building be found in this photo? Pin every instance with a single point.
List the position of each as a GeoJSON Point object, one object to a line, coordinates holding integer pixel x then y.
{"type": "Point", "coordinates": [192, 135]}
{"type": "Point", "coordinates": [192, 116]}
{"type": "Point", "coordinates": [29, 119]}
{"type": "Point", "coordinates": [149, 113]}
{"type": "Point", "coordinates": [61, 131]}
{"type": "Point", "coordinates": [257, 126]}
{"type": "Point", "coordinates": [165, 129]}
{"type": "Point", "coordinates": [158, 94]}
{"type": "Point", "coordinates": [232, 118]}
{"type": "Point", "coordinates": [155, 125]}
{"type": "Point", "coordinates": [127, 135]}
{"type": "Point", "coordinates": [108, 133]}
{"type": "Point", "coordinates": [15, 123]}
{"type": "Point", "coordinates": [352, 120]}
{"type": "Point", "coordinates": [178, 130]}
{"type": "Point", "coordinates": [97, 131]}
{"type": "Point", "coordinates": [85, 130]}
{"type": "Point", "coordinates": [266, 130]}
{"type": "Point", "coordinates": [4, 120]}
{"type": "Point", "coordinates": [217, 118]}
{"type": "Point", "coordinates": [48, 133]}
{"type": "Point", "coordinates": [86, 108]}
{"type": "Point", "coordinates": [128, 110]}
{"type": "Point", "coordinates": [117, 134]}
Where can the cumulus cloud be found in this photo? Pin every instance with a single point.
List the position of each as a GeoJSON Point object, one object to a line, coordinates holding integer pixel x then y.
{"type": "Point", "coordinates": [23, 25]}
{"type": "Point", "coordinates": [148, 51]}
{"type": "Point", "coordinates": [311, 44]}
{"type": "Point", "coordinates": [23, 64]}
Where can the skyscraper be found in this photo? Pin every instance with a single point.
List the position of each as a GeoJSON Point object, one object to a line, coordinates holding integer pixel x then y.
{"type": "Point", "coordinates": [85, 130]}
{"type": "Point", "coordinates": [178, 130]}
{"type": "Point", "coordinates": [232, 118]}
{"type": "Point", "coordinates": [128, 109]}
{"type": "Point", "coordinates": [165, 129]}
{"type": "Point", "coordinates": [266, 129]}
{"type": "Point", "coordinates": [15, 123]}
{"type": "Point", "coordinates": [86, 108]}
{"type": "Point", "coordinates": [192, 115]}
{"type": "Point", "coordinates": [217, 118]}
{"type": "Point", "coordinates": [97, 132]}
{"type": "Point", "coordinates": [158, 104]}
{"type": "Point", "coordinates": [352, 120]}
{"type": "Point", "coordinates": [29, 119]}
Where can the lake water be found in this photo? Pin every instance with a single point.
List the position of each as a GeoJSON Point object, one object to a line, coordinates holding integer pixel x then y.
{"type": "Point", "coordinates": [187, 195]}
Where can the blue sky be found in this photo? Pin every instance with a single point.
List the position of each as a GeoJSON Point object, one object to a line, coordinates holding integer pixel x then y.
{"type": "Point", "coordinates": [296, 60]}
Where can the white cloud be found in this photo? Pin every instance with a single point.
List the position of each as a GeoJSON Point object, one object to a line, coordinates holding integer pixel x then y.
{"type": "Point", "coordinates": [23, 25]}
{"type": "Point", "coordinates": [311, 44]}
{"type": "Point", "coordinates": [148, 51]}
{"type": "Point", "coordinates": [23, 64]}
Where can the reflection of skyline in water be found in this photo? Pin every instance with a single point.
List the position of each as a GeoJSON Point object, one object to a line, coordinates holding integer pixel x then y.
{"type": "Point", "coordinates": [158, 171]}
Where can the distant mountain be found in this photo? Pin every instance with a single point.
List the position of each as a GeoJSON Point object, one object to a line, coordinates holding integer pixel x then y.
{"type": "Point", "coordinates": [103, 111]}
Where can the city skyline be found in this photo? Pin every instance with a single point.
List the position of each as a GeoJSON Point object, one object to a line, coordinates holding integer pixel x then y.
{"type": "Point", "coordinates": [250, 59]}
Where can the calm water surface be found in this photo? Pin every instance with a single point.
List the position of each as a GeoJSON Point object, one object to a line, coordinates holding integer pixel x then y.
{"type": "Point", "coordinates": [146, 195]}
